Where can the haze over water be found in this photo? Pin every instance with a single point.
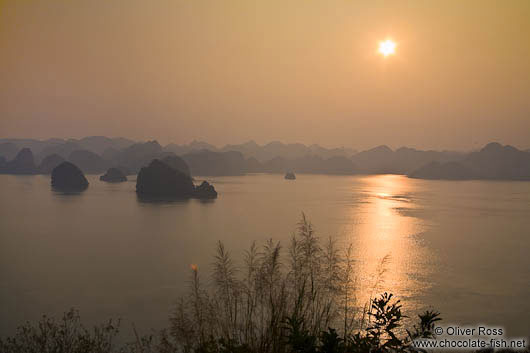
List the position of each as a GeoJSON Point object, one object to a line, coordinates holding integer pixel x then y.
{"type": "Point", "coordinates": [459, 247]}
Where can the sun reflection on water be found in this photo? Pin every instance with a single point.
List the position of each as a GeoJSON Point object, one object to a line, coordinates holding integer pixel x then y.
{"type": "Point", "coordinates": [382, 231]}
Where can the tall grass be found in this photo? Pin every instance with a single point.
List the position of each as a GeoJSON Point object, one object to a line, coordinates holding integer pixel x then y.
{"type": "Point", "coordinates": [275, 294]}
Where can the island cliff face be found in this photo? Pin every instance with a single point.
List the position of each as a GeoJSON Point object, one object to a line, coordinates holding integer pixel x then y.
{"type": "Point", "coordinates": [68, 177]}
{"type": "Point", "coordinates": [159, 180]}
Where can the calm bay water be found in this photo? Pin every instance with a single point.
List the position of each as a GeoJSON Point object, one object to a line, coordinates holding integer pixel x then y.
{"type": "Point", "coordinates": [462, 248]}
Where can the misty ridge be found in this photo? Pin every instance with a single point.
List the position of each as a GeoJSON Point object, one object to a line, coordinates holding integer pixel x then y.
{"type": "Point", "coordinates": [96, 154]}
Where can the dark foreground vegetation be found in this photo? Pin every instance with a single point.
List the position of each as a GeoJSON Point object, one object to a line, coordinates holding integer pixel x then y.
{"type": "Point", "coordinates": [297, 300]}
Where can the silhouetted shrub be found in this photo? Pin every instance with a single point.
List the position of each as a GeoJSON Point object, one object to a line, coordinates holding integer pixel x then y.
{"type": "Point", "coordinates": [66, 335]}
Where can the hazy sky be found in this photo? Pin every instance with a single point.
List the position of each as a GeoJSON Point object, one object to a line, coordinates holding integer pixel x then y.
{"type": "Point", "coordinates": [297, 71]}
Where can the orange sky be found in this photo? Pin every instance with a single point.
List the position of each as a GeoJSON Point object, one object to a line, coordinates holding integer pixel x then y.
{"type": "Point", "coordinates": [297, 71]}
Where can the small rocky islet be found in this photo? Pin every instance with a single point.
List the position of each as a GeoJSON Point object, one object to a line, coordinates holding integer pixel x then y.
{"type": "Point", "coordinates": [113, 175]}
{"type": "Point", "coordinates": [205, 191]}
{"type": "Point", "coordinates": [290, 176]}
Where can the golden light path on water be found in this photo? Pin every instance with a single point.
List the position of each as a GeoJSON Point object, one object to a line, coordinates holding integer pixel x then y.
{"type": "Point", "coordinates": [386, 241]}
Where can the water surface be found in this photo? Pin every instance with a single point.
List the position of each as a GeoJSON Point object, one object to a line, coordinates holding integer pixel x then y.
{"type": "Point", "coordinates": [459, 247]}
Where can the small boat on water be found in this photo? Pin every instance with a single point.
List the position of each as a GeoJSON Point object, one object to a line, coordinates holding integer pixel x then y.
{"type": "Point", "coordinates": [290, 176]}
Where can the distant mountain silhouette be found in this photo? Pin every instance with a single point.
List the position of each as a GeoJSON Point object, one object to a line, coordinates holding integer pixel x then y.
{"type": "Point", "coordinates": [254, 166]}
{"type": "Point", "coordinates": [8, 150]}
{"type": "Point", "coordinates": [35, 146]}
{"type": "Point", "coordinates": [113, 175]}
{"type": "Point", "coordinates": [287, 151]}
{"type": "Point", "coordinates": [494, 161]}
{"type": "Point", "coordinates": [383, 160]}
{"type": "Point", "coordinates": [274, 157]}
{"type": "Point", "coordinates": [158, 180]}
{"type": "Point", "coordinates": [68, 177]}
{"type": "Point", "coordinates": [234, 163]}
{"type": "Point", "coordinates": [63, 149]}
{"type": "Point", "coordinates": [89, 162]}
{"type": "Point", "coordinates": [206, 162]}
{"type": "Point", "coordinates": [448, 171]}
{"type": "Point", "coordinates": [23, 163]}
{"type": "Point", "coordinates": [310, 164]}
{"type": "Point", "coordinates": [202, 158]}
{"type": "Point", "coordinates": [98, 144]}
{"type": "Point", "coordinates": [248, 149]}
{"type": "Point", "coordinates": [331, 152]}
{"type": "Point", "coordinates": [332, 165]}
{"type": "Point", "coordinates": [378, 160]}
{"type": "Point", "coordinates": [125, 171]}
{"type": "Point", "coordinates": [275, 165]}
{"type": "Point", "coordinates": [138, 155]}
{"type": "Point", "coordinates": [110, 153]}
{"type": "Point", "coordinates": [265, 152]}
{"type": "Point", "coordinates": [177, 163]}
{"type": "Point", "coordinates": [49, 163]}
{"type": "Point", "coordinates": [194, 146]}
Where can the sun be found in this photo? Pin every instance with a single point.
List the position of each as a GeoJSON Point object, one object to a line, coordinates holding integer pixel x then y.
{"type": "Point", "coordinates": [387, 47]}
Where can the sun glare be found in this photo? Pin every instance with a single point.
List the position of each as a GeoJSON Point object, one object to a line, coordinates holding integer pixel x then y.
{"type": "Point", "coordinates": [387, 47]}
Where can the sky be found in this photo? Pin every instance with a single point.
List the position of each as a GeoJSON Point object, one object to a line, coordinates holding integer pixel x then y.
{"type": "Point", "coordinates": [292, 70]}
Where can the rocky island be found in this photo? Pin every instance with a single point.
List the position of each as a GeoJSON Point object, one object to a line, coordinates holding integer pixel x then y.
{"type": "Point", "coordinates": [113, 175]}
{"type": "Point", "coordinates": [160, 181]}
{"type": "Point", "coordinates": [205, 191]}
{"type": "Point", "coordinates": [68, 177]}
{"type": "Point", "coordinates": [290, 176]}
